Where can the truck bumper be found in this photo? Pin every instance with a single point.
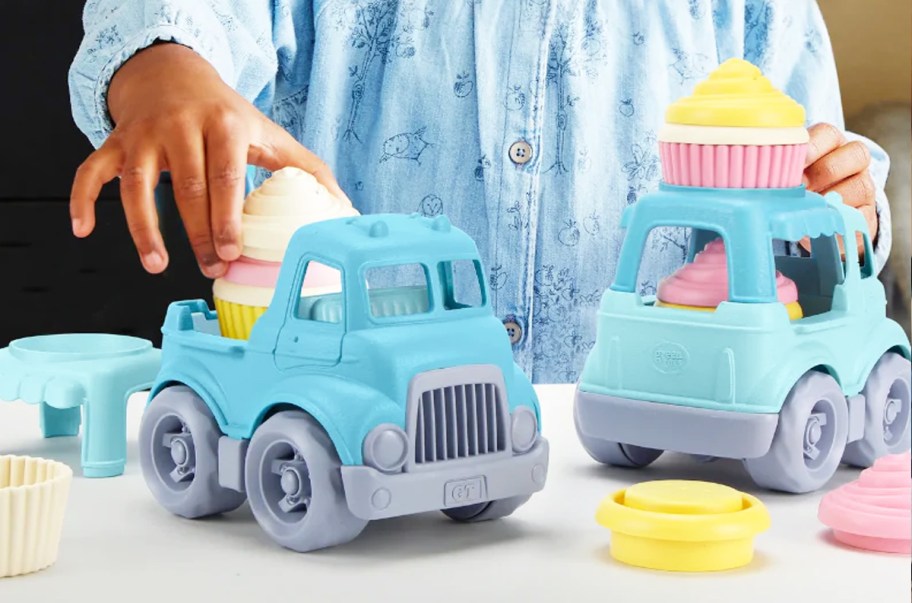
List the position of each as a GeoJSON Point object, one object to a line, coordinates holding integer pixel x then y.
{"type": "Point", "coordinates": [371, 494]}
{"type": "Point", "coordinates": [727, 434]}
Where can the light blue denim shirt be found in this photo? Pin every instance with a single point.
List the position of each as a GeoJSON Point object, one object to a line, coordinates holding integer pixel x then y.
{"type": "Point", "coordinates": [530, 123]}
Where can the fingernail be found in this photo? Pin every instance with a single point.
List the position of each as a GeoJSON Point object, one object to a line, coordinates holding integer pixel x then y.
{"type": "Point", "coordinates": [154, 261]}
{"type": "Point", "coordinates": [214, 270]}
{"type": "Point", "coordinates": [78, 225]}
{"type": "Point", "coordinates": [229, 251]}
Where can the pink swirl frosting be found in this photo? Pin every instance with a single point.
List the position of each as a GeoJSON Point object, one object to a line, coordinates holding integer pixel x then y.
{"type": "Point", "coordinates": [875, 511]}
{"type": "Point", "coordinates": [703, 283]}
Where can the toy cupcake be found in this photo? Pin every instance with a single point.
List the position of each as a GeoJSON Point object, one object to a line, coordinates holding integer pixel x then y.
{"type": "Point", "coordinates": [735, 131]}
{"type": "Point", "coordinates": [33, 499]}
{"type": "Point", "coordinates": [703, 284]}
{"type": "Point", "coordinates": [289, 199]}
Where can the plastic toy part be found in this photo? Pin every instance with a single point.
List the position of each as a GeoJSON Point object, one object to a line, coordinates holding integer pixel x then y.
{"type": "Point", "coordinates": [81, 377]}
{"type": "Point", "coordinates": [683, 526]}
{"type": "Point", "coordinates": [33, 499]}
{"type": "Point", "coordinates": [792, 365]}
{"type": "Point", "coordinates": [287, 200]}
{"type": "Point", "coordinates": [875, 511]}
{"type": "Point", "coordinates": [737, 94]}
{"type": "Point", "coordinates": [342, 406]}
{"type": "Point", "coordinates": [735, 131]}
{"type": "Point", "coordinates": [703, 284]}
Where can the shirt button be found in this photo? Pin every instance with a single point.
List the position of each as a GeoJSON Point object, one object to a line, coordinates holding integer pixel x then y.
{"type": "Point", "coordinates": [514, 330]}
{"type": "Point", "coordinates": [520, 152]}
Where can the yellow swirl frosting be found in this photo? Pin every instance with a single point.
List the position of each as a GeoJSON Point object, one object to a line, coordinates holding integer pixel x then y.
{"type": "Point", "coordinates": [736, 95]}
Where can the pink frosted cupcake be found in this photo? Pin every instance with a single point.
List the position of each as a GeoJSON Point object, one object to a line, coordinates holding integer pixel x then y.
{"type": "Point", "coordinates": [288, 200]}
{"type": "Point", "coordinates": [703, 284]}
{"type": "Point", "coordinates": [735, 131]}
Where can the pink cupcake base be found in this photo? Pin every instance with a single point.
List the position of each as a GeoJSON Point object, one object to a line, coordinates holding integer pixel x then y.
{"type": "Point", "coordinates": [258, 273]}
{"type": "Point", "coordinates": [732, 166]}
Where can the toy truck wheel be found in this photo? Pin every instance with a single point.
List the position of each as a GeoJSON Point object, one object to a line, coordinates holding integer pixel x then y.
{"type": "Point", "coordinates": [294, 484]}
{"type": "Point", "coordinates": [809, 440]}
{"type": "Point", "coordinates": [178, 452]}
{"type": "Point", "coordinates": [615, 453]}
{"type": "Point", "coordinates": [494, 509]}
{"type": "Point", "coordinates": [887, 412]}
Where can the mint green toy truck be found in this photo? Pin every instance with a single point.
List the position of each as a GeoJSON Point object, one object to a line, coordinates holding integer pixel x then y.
{"type": "Point", "coordinates": [791, 397]}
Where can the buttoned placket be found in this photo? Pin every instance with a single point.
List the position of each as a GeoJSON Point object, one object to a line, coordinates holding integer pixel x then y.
{"type": "Point", "coordinates": [511, 62]}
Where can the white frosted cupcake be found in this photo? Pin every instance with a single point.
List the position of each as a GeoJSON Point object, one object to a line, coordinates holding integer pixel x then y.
{"type": "Point", "coordinates": [286, 201]}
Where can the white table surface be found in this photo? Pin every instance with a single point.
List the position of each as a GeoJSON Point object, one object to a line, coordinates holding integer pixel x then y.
{"type": "Point", "coordinates": [119, 545]}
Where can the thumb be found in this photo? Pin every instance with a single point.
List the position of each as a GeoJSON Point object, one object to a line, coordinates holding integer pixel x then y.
{"type": "Point", "coordinates": [274, 148]}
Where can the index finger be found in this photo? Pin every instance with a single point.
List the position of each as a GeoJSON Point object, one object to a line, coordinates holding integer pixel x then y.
{"type": "Point", "coordinates": [273, 148]}
{"type": "Point", "coordinates": [824, 139]}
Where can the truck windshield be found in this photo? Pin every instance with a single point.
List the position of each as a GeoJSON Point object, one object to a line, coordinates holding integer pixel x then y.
{"type": "Point", "coordinates": [397, 290]}
{"type": "Point", "coordinates": [404, 289]}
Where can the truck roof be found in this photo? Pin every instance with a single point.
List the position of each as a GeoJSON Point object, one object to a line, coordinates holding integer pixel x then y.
{"type": "Point", "coordinates": [746, 219]}
{"type": "Point", "coordinates": [788, 214]}
{"type": "Point", "coordinates": [385, 237]}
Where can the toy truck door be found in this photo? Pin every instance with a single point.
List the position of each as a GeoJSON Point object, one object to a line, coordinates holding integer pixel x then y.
{"type": "Point", "coordinates": [315, 322]}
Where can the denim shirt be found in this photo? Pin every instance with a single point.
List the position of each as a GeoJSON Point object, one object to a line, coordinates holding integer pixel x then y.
{"type": "Point", "coordinates": [530, 123]}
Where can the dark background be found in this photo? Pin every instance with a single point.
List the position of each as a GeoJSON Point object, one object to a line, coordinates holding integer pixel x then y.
{"type": "Point", "coordinates": [53, 282]}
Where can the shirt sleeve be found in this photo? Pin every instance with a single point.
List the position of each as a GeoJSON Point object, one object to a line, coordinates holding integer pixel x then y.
{"type": "Point", "coordinates": [788, 40]}
{"type": "Point", "coordinates": [236, 37]}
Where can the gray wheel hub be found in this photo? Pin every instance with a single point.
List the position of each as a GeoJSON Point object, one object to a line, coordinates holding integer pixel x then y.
{"type": "Point", "coordinates": [294, 481]}
{"type": "Point", "coordinates": [813, 432]}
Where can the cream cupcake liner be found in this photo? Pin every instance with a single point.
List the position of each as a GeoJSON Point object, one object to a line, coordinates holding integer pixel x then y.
{"type": "Point", "coordinates": [33, 499]}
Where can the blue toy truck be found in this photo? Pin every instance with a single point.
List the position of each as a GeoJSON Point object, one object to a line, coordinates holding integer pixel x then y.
{"type": "Point", "coordinates": [373, 401]}
{"type": "Point", "coordinates": [792, 398]}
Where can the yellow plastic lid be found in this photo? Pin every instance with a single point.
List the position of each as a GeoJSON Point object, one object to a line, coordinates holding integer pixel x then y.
{"type": "Point", "coordinates": [680, 525]}
{"type": "Point", "coordinates": [737, 94]}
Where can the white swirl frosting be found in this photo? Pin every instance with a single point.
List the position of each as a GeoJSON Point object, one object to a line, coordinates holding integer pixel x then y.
{"type": "Point", "coordinates": [286, 201]}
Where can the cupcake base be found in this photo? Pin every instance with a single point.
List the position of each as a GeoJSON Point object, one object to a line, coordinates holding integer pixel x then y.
{"type": "Point", "coordinates": [794, 308]}
{"type": "Point", "coordinates": [732, 166]}
{"type": "Point", "coordinates": [236, 320]}
{"type": "Point", "coordinates": [33, 498]}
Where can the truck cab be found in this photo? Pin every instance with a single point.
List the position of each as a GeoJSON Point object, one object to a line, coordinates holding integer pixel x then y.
{"type": "Point", "coordinates": [791, 396]}
{"type": "Point", "coordinates": [391, 392]}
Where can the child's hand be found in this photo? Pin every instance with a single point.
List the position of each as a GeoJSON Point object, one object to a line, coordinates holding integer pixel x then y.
{"type": "Point", "coordinates": [173, 112]}
{"type": "Point", "coordinates": [834, 164]}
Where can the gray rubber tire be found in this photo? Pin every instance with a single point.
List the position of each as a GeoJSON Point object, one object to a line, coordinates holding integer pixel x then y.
{"type": "Point", "coordinates": [809, 440]}
{"type": "Point", "coordinates": [179, 417]}
{"type": "Point", "coordinates": [485, 511]}
{"type": "Point", "coordinates": [615, 453]}
{"type": "Point", "coordinates": [887, 412]}
{"type": "Point", "coordinates": [294, 484]}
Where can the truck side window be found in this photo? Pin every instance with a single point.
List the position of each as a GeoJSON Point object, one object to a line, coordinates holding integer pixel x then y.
{"type": "Point", "coordinates": [866, 260]}
{"type": "Point", "coordinates": [398, 290]}
{"type": "Point", "coordinates": [462, 284]}
{"type": "Point", "coordinates": [321, 294]}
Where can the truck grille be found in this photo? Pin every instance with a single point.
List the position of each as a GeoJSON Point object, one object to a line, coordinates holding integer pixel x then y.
{"type": "Point", "coordinates": [460, 421]}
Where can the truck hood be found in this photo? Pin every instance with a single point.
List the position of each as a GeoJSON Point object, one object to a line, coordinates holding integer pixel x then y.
{"type": "Point", "coordinates": [386, 358]}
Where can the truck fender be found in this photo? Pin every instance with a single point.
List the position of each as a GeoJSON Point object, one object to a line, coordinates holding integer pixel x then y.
{"type": "Point", "coordinates": [346, 410]}
{"type": "Point", "coordinates": [523, 394]}
{"type": "Point", "coordinates": [812, 360]}
{"type": "Point", "coordinates": [197, 377]}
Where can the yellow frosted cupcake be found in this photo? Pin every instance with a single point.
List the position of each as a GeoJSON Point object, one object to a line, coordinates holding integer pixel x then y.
{"type": "Point", "coordinates": [735, 131]}
{"type": "Point", "coordinates": [288, 200]}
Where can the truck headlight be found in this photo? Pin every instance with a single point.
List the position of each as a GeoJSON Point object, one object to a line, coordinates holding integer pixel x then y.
{"type": "Point", "coordinates": [385, 448]}
{"type": "Point", "coordinates": [523, 429]}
